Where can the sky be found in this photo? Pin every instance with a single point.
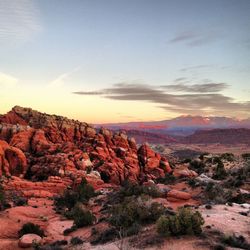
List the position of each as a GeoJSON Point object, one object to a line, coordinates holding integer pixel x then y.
{"type": "Point", "coordinates": [103, 61]}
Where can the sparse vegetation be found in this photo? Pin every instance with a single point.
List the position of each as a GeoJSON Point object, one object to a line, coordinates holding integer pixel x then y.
{"type": "Point", "coordinates": [18, 199]}
{"type": "Point", "coordinates": [235, 241]}
{"type": "Point", "coordinates": [132, 189]}
{"type": "Point", "coordinates": [220, 172]}
{"type": "Point", "coordinates": [168, 179]}
{"type": "Point", "coordinates": [76, 241]}
{"type": "Point", "coordinates": [69, 198]}
{"type": "Point", "coordinates": [184, 222]}
{"type": "Point", "coordinates": [81, 216]}
{"type": "Point", "coordinates": [239, 177]}
{"type": "Point", "coordinates": [228, 157]}
{"type": "Point", "coordinates": [246, 156]}
{"type": "Point", "coordinates": [105, 236]}
{"type": "Point", "coordinates": [31, 228]}
{"type": "Point", "coordinates": [217, 194]}
{"type": "Point", "coordinates": [2, 198]}
{"type": "Point", "coordinates": [192, 183]}
{"type": "Point", "coordinates": [134, 212]}
{"type": "Point", "coordinates": [197, 165]}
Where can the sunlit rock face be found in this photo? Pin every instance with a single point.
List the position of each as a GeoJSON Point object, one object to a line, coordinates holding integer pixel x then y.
{"type": "Point", "coordinates": [36, 146]}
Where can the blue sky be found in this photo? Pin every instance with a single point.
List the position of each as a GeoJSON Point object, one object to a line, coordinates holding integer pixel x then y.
{"type": "Point", "coordinates": [61, 56]}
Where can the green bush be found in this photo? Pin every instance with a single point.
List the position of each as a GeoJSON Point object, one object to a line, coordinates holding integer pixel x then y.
{"type": "Point", "coordinates": [235, 241]}
{"type": "Point", "coordinates": [220, 172]}
{"type": "Point", "coordinates": [18, 199]}
{"type": "Point", "coordinates": [30, 228]}
{"type": "Point", "coordinates": [105, 236]}
{"type": "Point", "coordinates": [69, 198]}
{"type": "Point", "coordinates": [192, 183]}
{"type": "Point", "coordinates": [132, 210]}
{"type": "Point", "coordinates": [132, 189]}
{"type": "Point", "coordinates": [217, 194]}
{"type": "Point", "coordinates": [184, 222]}
{"type": "Point", "coordinates": [167, 179]}
{"type": "Point", "coordinates": [238, 177]}
{"type": "Point", "coordinates": [197, 165]}
{"type": "Point", "coordinates": [228, 156]}
{"type": "Point", "coordinates": [81, 216]}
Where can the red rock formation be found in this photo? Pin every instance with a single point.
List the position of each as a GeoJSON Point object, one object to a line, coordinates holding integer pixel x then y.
{"type": "Point", "coordinates": [175, 195]}
{"type": "Point", "coordinates": [12, 160]}
{"type": "Point", "coordinates": [12, 118]}
{"type": "Point", "coordinates": [28, 240]}
{"type": "Point", "coordinates": [154, 166]}
{"type": "Point", "coordinates": [57, 146]}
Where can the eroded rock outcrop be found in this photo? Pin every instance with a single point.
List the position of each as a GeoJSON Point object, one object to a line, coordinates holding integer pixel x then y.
{"type": "Point", "coordinates": [12, 160]}
{"type": "Point", "coordinates": [57, 146]}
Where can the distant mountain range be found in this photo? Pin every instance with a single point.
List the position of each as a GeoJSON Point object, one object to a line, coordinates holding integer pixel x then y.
{"type": "Point", "coordinates": [187, 129]}
{"type": "Point", "coordinates": [181, 126]}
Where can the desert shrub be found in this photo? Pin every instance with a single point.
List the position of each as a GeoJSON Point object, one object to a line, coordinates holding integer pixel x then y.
{"type": "Point", "coordinates": [184, 222]}
{"type": "Point", "coordinates": [236, 241]}
{"type": "Point", "coordinates": [246, 156]}
{"type": "Point", "coordinates": [2, 198]}
{"type": "Point", "coordinates": [167, 179]}
{"type": "Point", "coordinates": [192, 183]}
{"type": "Point", "coordinates": [201, 157]}
{"type": "Point", "coordinates": [81, 216]}
{"type": "Point", "coordinates": [197, 165]}
{"type": "Point", "coordinates": [106, 236]}
{"type": "Point", "coordinates": [132, 230]}
{"type": "Point", "coordinates": [30, 228]}
{"type": "Point", "coordinates": [220, 172]}
{"type": "Point", "coordinates": [131, 211]}
{"type": "Point", "coordinates": [240, 198]}
{"type": "Point", "coordinates": [67, 231]}
{"type": "Point", "coordinates": [217, 194]}
{"type": "Point", "coordinates": [188, 160]}
{"type": "Point", "coordinates": [228, 156]}
{"type": "Point", "coordinates": [239, 177]}
{"type": "Point", "coordinates": [85, 191]}
{"type": "Point", "coordinates": [69, 198]}
{"type": "Point", "coordinates": [219, 247]}
{"type": "Point", "coordinates": [19, 200]}
{"type": "Point", "coordinates": [59, 243]}
{"type": "Point", "coordinates": [76, 241]}
{"type": "Point", "coordinates": [132, 189]}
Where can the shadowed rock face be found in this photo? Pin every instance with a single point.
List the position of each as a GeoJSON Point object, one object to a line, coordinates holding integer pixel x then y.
{"type": "Point", "coordinates": [12, 160]}
{"type": "Point", "coordinates": [39, 145]}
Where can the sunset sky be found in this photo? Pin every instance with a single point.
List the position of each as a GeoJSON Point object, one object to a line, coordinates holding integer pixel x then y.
{"type": "Point", "coordinates": [126, 60]}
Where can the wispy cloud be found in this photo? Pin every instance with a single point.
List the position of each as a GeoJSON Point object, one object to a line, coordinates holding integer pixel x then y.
{"type": "Point", "coordinates": [195, 38]}
{"type": "Point", "coordinates": [189, 102]}
{"type": "Point", "coordinates": [7, 80]}
{"type": "Point", "coordinates": [18, 21]}
{"type": "Point", "coordinates": [60, 80]}
{"type": "Point", "coordinates": [197, 88]}
{"type": "Point", "coordinates": [201, 66]}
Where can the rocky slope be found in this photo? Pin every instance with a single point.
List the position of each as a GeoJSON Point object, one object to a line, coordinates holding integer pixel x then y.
{"type": "Point", "coordinates": [36, 146]}
{"type": "Point", "coordinates": [154, 138]}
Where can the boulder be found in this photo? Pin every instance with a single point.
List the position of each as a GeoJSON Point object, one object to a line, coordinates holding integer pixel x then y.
{"type": "Point", "coordinates": [27, 240]}
{"type": "Point", "coordinates": [178, 195]}
{"type": "Point", "coordinates": [183, 171]}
